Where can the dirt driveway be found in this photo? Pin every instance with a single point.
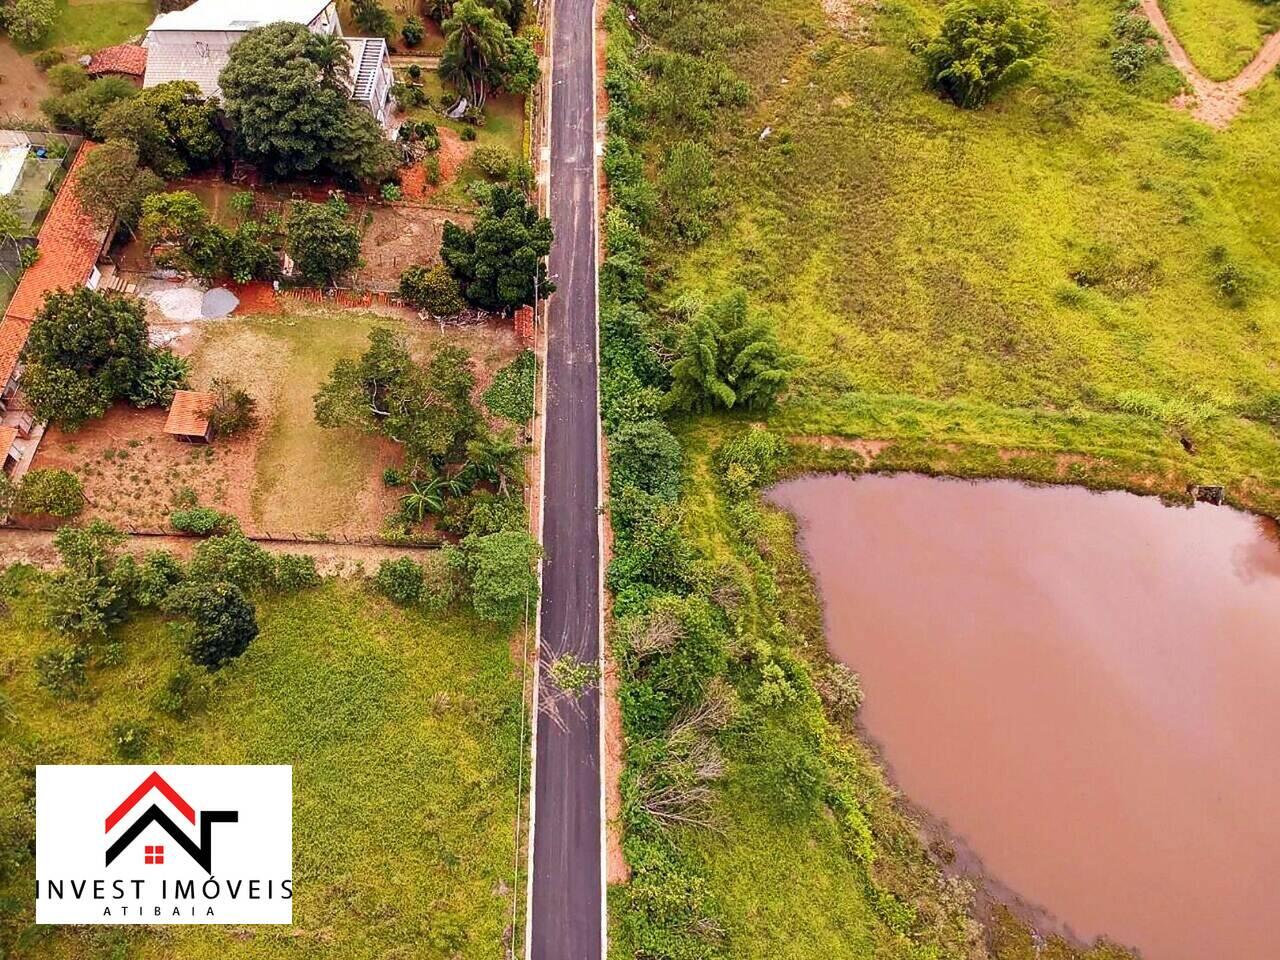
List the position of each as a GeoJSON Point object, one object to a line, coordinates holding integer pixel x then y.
{"type": "Point", "coordinates": [22, 86]}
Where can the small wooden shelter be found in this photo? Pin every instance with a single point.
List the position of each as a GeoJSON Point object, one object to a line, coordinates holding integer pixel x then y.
{"type": "Point", "coordinates": [189, 416]}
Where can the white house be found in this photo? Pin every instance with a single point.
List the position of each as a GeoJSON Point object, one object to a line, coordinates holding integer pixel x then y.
{"type": "Point", "coordinates": [194, 44]}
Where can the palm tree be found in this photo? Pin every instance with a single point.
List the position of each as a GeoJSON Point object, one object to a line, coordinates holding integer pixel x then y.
{"type": "Point", "coordinates": [332, 55]}
{"type": "Point", "coordinates": [475, 41]}
{"type": "Point", "coordinates": [498, 459]}
{"type": "Point", "coordinates": [428, 497]}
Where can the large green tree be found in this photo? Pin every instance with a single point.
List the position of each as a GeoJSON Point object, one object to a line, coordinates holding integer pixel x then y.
{"type": "Point", "coordinates": [497, 260]}
{"type": "Point", "coordinates": [83, 108]}
{"type": "Point", "coordinates": [28, 21]}
{"type": "Point", "coordinates": [426, 407]}
{"type": "Point", "coordinates": [728, 360]}
{"type": "Point", "coordinates": [475, 47]}
{"type": "Point", "coordinates": [288, 119]}
{"type": "Point", "coordinates": [503, 572]}
{"type": "Point", "coordinates": [174, 129]}
{"type": "Point", "coordinates": [323, 241]}
{"type": "Point", "coordinates": [223, 621]}
{"type": "Point", "coordinates": [85, 350]}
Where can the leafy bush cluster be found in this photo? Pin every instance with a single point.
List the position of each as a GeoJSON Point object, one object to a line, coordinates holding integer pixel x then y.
{"type": "Point", "coordinates": [496, 572]}
{"type": "Point", "coordinates": [98, 586]}
{"type": "Point", "coordinates": [88, 349]}
{"type": "Point", "coordinates": [511, 393]}
{"type": "Point", "coordinates": [50, 492]}
{"type": "Point", "coordinates": [183, 236]}
{"type": "Point", "coordinates": [1136, 44]}
{"type": "Point", "coordinates": [983, 47]}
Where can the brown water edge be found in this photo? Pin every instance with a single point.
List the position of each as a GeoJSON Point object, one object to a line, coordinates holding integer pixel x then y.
{"type": "Point", "coordinates": [1084, 687]}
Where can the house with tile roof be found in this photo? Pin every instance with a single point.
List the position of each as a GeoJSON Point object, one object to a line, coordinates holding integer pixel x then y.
{"type": "Point", "coordinates": [194, 44]}
{"type": "Point", "coordinates": [188, 418]}
{"type": "Point", "coordinates": [126, 60]}
{"type": "Point", "coordinates": [70, 243]}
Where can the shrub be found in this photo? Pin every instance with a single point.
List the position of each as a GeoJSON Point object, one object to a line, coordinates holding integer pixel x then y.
{"type": "Point", "coordinates": [163, 373]}
{"type": "Point", "coordinates": [503, 574]}
{"type": "Point", "coordinates": [392, 193]}
{"type": "Point", "coordinates": [431, 167]}
{"type": "Point", "coordinates": [53, 493]}
{"type": "Point", "coordinates": [645, 455]}
{"type": "Point", "coordinates": [750, 460]}
{"type": "Point", "coordinates": [399, 580]}
{"type": "Point", "coordinates": [157, 574]}
{"type": "Point", "coordinates": [412, 33]}
{"type": "Point", "coordinates": [232, 558]}
{"type": "Point", "coordinates": [129, 738]}
{"type": "Point", "coordinates": [983, 47]}
{"type": "Point", "coordinates": [511, 393]}
{"type": "Point", "coordinates": [431, 289]}
{"type": "Point", "coordinates": [185, 694]}
{"type": "Point", "coordinates": [295, 571]}
{"type": "Point", "coordinates": [233, 410]}
{"type": "Point", "coordinates": [202, 521]}
{"type": "Point", "coordinates": [28, 21]}
{"type": "Point", "coordinates": [441, 584]}
{"type": "Point", "coordinates": [47, 58]}
{"type": "Point", "coordinates": [468, 133]}
{"type": "Point", "coordinates": [88, 594]}
{"type": "Point", "coordinates": [494, 162]}
{"type": "Point", "coordinates": [391, 477]}
{"type": "Point", "coordinates": [62, 671]}
{"type": "Point", "coordinates": [223, 621]}
{"type": "Point", "coordinates": [840, 690]}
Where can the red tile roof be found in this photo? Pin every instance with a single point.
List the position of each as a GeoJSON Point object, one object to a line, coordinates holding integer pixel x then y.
{"type": "Point", "coordinates": [7, 436]}
{"type": "Point", "coordinates": [69, 245]}
{"type": "Point", "coordinates": [127, 58]}
{"type": "Point", "coordinates": [189, 413]}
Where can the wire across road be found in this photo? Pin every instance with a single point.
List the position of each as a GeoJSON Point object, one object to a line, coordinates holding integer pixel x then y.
{"type": "Point", "coordinates": [566, 906]}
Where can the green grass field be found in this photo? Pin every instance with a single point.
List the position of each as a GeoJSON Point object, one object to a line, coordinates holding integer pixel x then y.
{"type": "Point", "coordinates": [1065, 254]}
{"type": "Point", "coordinates": [90, 24]}
{"type": "Point", "coordinates": [1221, 36]}
{"type": "Point", "coordinates": [403, 733]}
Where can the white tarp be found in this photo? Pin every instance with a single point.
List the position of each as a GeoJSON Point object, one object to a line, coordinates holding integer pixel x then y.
{"type": "Point", "coordinates": [12, 160]}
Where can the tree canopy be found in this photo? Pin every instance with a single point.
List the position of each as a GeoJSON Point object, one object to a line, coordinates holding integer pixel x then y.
{"type": "Point", "coordinates": [427, 407]}
{"type": "Point", "coordinates": [174, 129]}
{"type": "Point", "coordinates": [496, 260]}
{"type": "Point", "coordinates": [323, 241]}
{"type": "Point", "coordinates": [983, 47]}
{"type": "Point", "coordinates": [85, 350]}
{"type": "Point", "coordinates": [111, 186]}
{"type": "Point", "coordinates": [288, 119]}
{"type": "Point", "coordinates": [728, 360]}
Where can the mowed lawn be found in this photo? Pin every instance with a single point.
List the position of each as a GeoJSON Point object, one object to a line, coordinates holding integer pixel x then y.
{"type": "Point", "coordinates": [403, 732]}
{"type": "Point", "coordinates": [91, 24]}
{"type": "Point", "coordinates": [309, 479]}
{"type": "Point", "coordinates": [1078, 252]}
{"type": "Point", "coordinates": [1221, 36]}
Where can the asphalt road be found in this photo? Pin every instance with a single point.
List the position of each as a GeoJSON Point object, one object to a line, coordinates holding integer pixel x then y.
{"type": "Point", "coordinates": [565, 911]}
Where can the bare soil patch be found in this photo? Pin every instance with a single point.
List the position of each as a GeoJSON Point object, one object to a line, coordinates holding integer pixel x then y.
{"type": "Point", "coordinates": [22, 86]}
{"type": "Point", "coordinates": [400, 236]}
{"type": "Point", "coordinates": [453, 153]}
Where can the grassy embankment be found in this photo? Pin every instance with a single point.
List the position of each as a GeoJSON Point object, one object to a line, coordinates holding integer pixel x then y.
{"type": "Point", "coordinates": [1077, 284]}
{"type": "Point", "coordinates": [403, 732]}
{"type": "Point", "coordinates": [1221, 36]}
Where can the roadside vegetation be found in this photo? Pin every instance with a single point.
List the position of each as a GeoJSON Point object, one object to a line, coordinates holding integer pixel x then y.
{"type": "Point", "coordinates": [853, 237]}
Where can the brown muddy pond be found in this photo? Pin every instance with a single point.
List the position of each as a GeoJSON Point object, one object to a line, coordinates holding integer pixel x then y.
{"type": "Point", "coordinates": [1085, 688]}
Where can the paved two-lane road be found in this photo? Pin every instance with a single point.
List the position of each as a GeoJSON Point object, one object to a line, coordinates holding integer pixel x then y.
{"type": "Point", "coordinates": [566, 905]}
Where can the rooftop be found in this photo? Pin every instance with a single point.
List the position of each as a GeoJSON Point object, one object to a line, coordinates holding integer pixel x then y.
{"type": "Point", "coordinates": [7, 436]}
{"type": "Point", "coordinates": [239, 15]}
{"type": "Point", "coordinates": [69, 245]}
{"type": "Point", "coordinates": [189, 413]}
{"type": "Point", "coordinates": [125, 58]}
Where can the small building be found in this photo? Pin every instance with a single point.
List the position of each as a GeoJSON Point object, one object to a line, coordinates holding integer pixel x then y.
{"type": "Point", "coordinates": [189, 416]}
{"type": "Point", "coordinates": [195, 44]}
{"type": "Point", "coordinates": [126, 60]}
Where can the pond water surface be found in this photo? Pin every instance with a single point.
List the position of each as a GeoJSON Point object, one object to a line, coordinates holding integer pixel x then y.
{"type": "Point", "coordinates": [1084, 687]}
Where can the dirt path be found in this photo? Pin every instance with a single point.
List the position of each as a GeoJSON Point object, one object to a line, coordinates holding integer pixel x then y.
{"type": "Point", "coordinates": [1214, 102]}
{"type": "Point", "coordinates": [35, 547]}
